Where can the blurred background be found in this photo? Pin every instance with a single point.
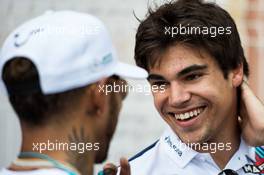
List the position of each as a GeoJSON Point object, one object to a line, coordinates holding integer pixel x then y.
{"type": "Point", "coordinates": [140, 124]}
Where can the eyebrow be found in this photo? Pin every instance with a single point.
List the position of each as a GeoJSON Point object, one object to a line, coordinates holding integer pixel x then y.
{"type": "Point", "coordinates": [191, 68]}
{"type": "Point", "coordinates": [155, 77]}
{"type": "Point", "coordinates": [183, 72]}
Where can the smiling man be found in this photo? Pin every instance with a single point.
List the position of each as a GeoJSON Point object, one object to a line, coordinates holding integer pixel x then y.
{"type": "Point", "coordinates": [192, 50]}
{"type": "Point", "coordinates": [194, 104]}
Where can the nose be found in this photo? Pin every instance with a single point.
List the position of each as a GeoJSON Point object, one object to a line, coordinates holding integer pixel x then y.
{"type": "Point", "coordinates": [178, 95]}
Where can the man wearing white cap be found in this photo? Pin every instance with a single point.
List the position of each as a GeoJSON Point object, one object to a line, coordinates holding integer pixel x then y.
{"type": "Point", "coordinates": [51, 69]}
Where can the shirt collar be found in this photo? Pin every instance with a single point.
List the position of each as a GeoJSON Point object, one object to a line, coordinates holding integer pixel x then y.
{"type": "Point", "coordinates": [175, 149]}
{"type": "Point", "coordinates": [182, 155]}
{"type": "Point", "coordinates": [244, 155]}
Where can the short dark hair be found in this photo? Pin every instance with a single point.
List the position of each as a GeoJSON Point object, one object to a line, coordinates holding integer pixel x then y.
{"type": "Point", "coordinates": [35, 108]}
{"type": "Point", "coordinates": [151, 39]}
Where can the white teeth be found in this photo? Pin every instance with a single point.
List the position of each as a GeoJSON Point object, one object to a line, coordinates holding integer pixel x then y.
{"type": "Point", "coordinates": [188, 115]}
{"type": "Point", "coordinates": [181, 116]}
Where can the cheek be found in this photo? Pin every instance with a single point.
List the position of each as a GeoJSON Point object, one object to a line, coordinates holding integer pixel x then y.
{"type": "Point", "coordinates": [212, 87]}
{"type": "Point", "coordinates": [159, 101]}
{"type": "Point", "coordinates": [218, 95]}
{"type": "Point", "coordinates": [115, 108]}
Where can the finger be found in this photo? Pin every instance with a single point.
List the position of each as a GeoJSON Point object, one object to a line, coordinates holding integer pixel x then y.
{"type": "Point", "coordinates": [241, 122]}
{"type": "Point", "coordinates": [245, 79]}
{"type": "Point", "coordinates": [245, 85]}
{"type": "Point", "coordinates": [125, 167]}
{"type": "Point", "coordinates": [248, 94]}
{"type": "Point", "coordinates": [110, 169]}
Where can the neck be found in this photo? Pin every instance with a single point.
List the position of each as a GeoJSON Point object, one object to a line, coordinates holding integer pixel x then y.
{"type": "Point", "coordinates": [230, 136]}
{"type": "Point", "coordinates": [65, 147]}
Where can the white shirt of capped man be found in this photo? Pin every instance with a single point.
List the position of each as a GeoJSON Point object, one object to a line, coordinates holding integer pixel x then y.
{"type": "Point", "coordinates": [169, 156]}
{"type": "Point", "coordinates": [51, 171]}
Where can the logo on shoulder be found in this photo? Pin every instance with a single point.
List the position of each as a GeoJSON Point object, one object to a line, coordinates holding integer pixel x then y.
{"type": "Point", "coordinates": [254, 169]}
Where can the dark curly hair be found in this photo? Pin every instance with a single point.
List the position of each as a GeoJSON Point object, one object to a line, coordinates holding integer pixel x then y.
{"type": "Point", "coordinates": [151, 39]}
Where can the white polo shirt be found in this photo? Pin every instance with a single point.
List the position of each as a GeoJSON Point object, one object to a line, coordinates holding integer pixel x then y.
{"type": "Point", "coordinates": [167, 156]}
{"type": "Point", "coordinates": [52, 171]}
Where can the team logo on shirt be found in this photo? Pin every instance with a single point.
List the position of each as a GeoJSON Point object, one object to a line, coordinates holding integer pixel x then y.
{"type": "Point", "coordinates": [255, 169]}
{"type": "Point", "coordinates": [258, 167]}
{"type": "Point", "coordinates": [173, 146]}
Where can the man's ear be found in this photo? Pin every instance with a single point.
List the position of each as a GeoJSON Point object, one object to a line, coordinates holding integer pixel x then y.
{"type": "Point", "coordinates": [237, 76]}
{"type": "Point", "coordinates": [97, 98]}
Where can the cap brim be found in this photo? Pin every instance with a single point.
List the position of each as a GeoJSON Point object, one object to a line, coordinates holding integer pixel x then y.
{"type": "Point", "coordinates": [130, 71]}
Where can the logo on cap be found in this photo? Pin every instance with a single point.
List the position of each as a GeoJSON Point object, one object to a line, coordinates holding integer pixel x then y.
{"type": "Point", "coordinates": [21, 39]}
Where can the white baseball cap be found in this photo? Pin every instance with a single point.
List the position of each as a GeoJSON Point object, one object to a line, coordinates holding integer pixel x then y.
{"type": "Point", "coordinates": [69, 49]}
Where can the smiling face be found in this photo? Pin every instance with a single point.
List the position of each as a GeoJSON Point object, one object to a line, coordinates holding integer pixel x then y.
{"type": "Point", "coordinates": [198, 103]}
